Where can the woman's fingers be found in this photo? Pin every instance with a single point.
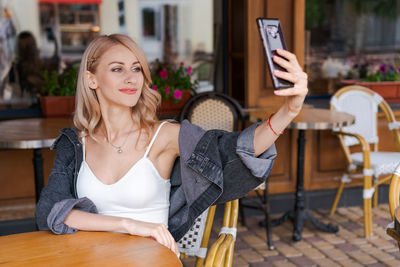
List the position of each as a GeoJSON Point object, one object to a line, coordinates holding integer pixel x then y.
{"type": "Point", "coordinates": [287, 61]}
{"type": "Point", "coordinates": [164, 237]}
{"type": "Point", "coordinates": [296, 77]}
{"type": "Point", "coordinates": [289, 56]}
{"type": "Point", "coordinates": [161, 232]}
{"type": "Point", "coordinates": [283, 63]}
{"type": "Point", "coordinates": [175, 246]}
{"type": "Point", "coordinates": [291, 91]}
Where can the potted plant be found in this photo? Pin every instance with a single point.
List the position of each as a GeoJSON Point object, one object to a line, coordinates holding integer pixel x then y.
{"type": "Point", "coordinates": [175, 85]}
{"type": "Point", "coordinates": [58, 92]}
{"type": "Point", "coordinates": [378, 74]}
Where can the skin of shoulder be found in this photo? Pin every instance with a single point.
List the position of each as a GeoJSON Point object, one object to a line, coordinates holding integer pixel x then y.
{"type": "Point", "coordinates": [169, 137]}
{"type": "Point", "coordinates": [165, 149]}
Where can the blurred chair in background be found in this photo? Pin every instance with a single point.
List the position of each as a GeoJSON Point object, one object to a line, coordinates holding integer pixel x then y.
{"type": "Point", "coordinates": [363, 103]}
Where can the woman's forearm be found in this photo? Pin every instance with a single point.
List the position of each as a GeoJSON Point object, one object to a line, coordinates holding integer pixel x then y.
{"type": "Point", "coordinates": [264, 136]}
{"type": "Point", "coordinates": [86, 221]}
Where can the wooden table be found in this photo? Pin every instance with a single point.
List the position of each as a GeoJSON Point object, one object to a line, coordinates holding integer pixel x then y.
{"type": "Point", "coordinates": [44, 248]}
{"type": "Point", "coordinates": [33, 134]}
{"type": "Point", "coordinates": [308, 119]}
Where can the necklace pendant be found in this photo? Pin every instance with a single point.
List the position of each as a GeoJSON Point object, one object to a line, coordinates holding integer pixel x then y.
{"type": "Point", "coordinates": [119, 150]}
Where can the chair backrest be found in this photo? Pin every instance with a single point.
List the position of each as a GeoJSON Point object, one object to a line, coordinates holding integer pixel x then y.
{"type": "Point", "coordinates": [211, 110]}
{"type": "Point", "coordinates": [394, 191]}
{"type": "Point", "coordinates": [364, 103]}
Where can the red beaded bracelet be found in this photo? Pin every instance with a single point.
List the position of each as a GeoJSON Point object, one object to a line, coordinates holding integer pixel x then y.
{"type": "Point", "coordinates": [269, 124]}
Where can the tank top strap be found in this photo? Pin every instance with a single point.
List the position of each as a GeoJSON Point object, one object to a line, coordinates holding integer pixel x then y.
{"type": "Point", "coordinates": [83, 146]}
{"type": "Point", "coordinates": [154, 138]}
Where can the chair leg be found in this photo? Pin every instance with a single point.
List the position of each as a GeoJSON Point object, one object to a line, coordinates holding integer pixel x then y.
{"type": "Point", "coordinates": [367, 217]}
{"type": "Point", "coordinates": [267, 220]}
{"type": "Point", "coordinates": [367, 206]}
{"type": "Point", "coordinates": [375, 198]}
{"type": "Point", "coordinates": [337, 198]}
{"type": "Point", "coordinates": [241, 213]}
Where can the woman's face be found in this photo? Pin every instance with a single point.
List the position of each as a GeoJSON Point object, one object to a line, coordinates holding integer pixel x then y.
{"type": "Point", "coordinates": [119, 78]}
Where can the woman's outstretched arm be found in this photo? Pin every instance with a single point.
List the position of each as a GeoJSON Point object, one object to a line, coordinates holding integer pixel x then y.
{"type": "Point", "coordinates": [267, 132]}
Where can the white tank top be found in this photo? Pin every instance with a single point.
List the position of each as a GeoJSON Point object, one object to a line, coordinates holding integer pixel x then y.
{"type": "Point", "coordinates": [141, 194]}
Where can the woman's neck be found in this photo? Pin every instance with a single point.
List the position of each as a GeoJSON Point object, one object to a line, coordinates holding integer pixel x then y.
{"type": "Point", "coordinates": [116, 125]}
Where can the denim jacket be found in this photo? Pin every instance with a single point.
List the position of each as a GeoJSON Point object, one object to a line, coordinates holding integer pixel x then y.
{"type": "Point", "coordinates": [214, 167]}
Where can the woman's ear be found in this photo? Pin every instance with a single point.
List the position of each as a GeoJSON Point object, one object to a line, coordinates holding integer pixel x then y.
{"type": "Point", "coordinates": [92, 82]}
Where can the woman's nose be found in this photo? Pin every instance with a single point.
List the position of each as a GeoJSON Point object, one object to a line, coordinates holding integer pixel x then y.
{"type": "Point", "coordinates": [131, 78]}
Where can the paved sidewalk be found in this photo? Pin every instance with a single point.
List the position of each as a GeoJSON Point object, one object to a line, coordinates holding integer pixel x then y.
{"type": "Point", "coordinates": [346, 248]}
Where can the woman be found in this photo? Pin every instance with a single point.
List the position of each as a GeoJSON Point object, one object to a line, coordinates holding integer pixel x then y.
{"type": "Point", "coordinates": [120, 170]}
{"type": "Point", "coordinates": [30, 66]}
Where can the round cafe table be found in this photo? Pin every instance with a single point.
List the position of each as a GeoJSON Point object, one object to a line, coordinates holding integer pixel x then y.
{"type": "Point", "coordinates": [308, 119]}
{"type": "Point", "coordinates": [44, 248]}
{"type": "Point", "coordinates": [36, 133]}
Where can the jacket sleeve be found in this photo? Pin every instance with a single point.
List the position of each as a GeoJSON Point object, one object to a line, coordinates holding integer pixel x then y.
{"type": "Point", "coordinates": [57, 198]}
{"type": "Point", "coordinates": [259, 166]}
{"type": "Point", "coordinates": [242, 170]}
{"type": "Point", "coordinates": [221, 165]}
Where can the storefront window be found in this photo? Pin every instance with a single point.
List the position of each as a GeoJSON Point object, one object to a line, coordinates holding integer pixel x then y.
{"type": "Point", "coordinates": [350, 39]}
{"type": "Point", "coordinates": [170, 31]}
{"type": "Point", "coordinates": [75, 24]}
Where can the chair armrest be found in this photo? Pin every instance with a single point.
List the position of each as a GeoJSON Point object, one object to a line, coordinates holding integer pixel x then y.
{"type": "Point", "coordinates": [364, 145]}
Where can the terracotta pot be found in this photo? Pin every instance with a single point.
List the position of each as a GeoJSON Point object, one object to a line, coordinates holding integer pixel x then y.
{"type": "Point", "coordinates": [57, 106]}
{"type": "Point", "coordinates": [168, 107]}
{"type": "Point", "coordinates": [390, 91]}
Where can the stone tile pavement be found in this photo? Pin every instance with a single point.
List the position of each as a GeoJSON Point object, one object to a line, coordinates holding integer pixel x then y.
{"type": "Point", "coordinates": [348, 247]}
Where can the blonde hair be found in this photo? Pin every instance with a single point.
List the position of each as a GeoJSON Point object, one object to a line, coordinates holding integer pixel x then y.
{"type": "Point", "coordinates": [87, 116]}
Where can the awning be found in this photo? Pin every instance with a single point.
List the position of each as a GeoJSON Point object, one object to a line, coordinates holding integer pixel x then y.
{"type": "Point", "coordinates": [71, 1]}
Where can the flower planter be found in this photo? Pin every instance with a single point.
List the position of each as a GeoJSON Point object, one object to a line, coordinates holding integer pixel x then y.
{"type": "Point", "coordinates": [57, 106]}
{"type": "Point", "coordinates": [168, 107]}
{"type": "Point", "coordinates": [390, 91]}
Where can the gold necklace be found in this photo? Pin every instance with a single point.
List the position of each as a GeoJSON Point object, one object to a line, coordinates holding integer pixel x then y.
{"type": "Point", "coordinates": [119, 148]}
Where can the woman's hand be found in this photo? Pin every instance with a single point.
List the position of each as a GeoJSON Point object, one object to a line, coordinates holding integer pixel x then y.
{"type": "Point", "coordinates": [296, 75]}
{"type": "Point", "coordinates": [157, 231]}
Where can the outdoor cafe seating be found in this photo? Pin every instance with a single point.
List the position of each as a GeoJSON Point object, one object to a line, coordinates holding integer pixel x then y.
{"type": "Point", "coordinates": [368, 164]}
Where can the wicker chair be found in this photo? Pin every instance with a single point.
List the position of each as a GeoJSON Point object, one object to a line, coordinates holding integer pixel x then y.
{"type": "Point", "coordinates": [363, 103]}
{"type": "Point", "coordinates": [211, 110]}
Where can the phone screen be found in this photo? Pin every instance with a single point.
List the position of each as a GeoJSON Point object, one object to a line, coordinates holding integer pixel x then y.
{"type": "Point", "coordinates": [272, 39]}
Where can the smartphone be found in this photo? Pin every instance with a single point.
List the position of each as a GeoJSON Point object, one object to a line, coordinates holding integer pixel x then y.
{"type": "Point", "coordinates": [272, 38]}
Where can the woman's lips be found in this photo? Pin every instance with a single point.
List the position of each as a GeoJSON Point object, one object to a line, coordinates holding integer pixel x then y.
{"type": "Point", "coordinates": [128, 91]}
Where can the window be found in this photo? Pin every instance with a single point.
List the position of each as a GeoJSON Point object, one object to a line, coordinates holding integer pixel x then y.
{"type": "Point", "coordinates": [149, 23]}
{"type": "Point", "coordinates": [341, 34]}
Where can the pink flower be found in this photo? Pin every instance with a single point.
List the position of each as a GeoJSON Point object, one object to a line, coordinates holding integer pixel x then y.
{"type": "Point", "coordinates": [154, 87]}
{"type": "Point", "coordinates": [166, 89]}
{"type": "Point", "coordinates": [177, 94]}
{"type": "Point", "coordinates": [189, 70]}
{"type": "Point", "coordinates": [382, 68]}
{"type": "Point", "coordinates": [164, 74]}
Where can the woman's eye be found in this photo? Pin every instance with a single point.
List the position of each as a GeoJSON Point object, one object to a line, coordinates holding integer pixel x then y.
{"type": "Point", "coordinates": [136, 69]}
{"type": "Point", "coordinates": [116, 69]}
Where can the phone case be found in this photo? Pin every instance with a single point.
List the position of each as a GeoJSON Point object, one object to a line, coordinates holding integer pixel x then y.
{"type": "Point", "coordinates": [272, 38]}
